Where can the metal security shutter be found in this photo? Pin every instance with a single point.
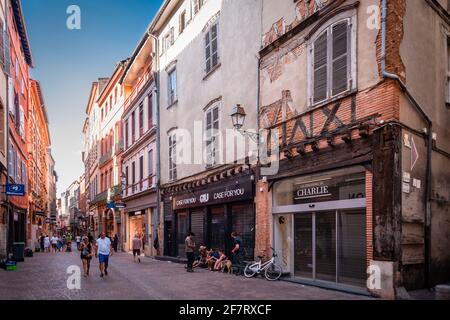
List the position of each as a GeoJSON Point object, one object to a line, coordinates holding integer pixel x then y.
{"type": "Point", "coordinates": [340, 57]}
{"type": "Point", "coordinates": [320, 67]}
{"type": "Point", "coordinates": [197, 227]}
{"type": "Point", "coordinates": [218, 225]}
{"type": "Point", "coordinates": [243, 221]}
{"type": "Point", "coordinates": [182, 230]}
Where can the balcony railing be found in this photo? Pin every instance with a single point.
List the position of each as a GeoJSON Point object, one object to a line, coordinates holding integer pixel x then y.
{"type": "Point", "coordinates": [110, 193]}
{"type": "Point", "coordinates": [144, 185]}
{"type": "Point", "coordinates": [100, 197]}
{"type": "Point", "coordinates": [138, 87]}
{"type": "Point", "coordinates": [107, 156]}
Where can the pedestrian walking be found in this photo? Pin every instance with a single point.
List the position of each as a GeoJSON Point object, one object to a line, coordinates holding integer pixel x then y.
{"type": "Point", "coordinates": [103, 250]}
{"type": "Point", "coordinates": [78, 241]}
{"type": "Point", "coordinates": [47, 244]}
{"type": "Point", "coordinates": [115, 242]}
{"type": "Point", "coordinates": [86, 255]}
{"type": "Point", "coordinates": [137, 244]}
{"type": "Point", "coordinates": [54, 241]}
{"type": "Point", "coordinates": [189, 248]}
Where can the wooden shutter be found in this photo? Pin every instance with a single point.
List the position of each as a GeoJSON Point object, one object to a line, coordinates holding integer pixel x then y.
{"type": "Point", "coordinates": [22, 123]}
{"type": "Point", "coordinates": [207, 52]}
{"type": "Point", "coordinates": [214, 46]}
{"type": "Point", "coordinates": [150, 163]}
{"type": "Point", "coordinates": [320, 68]}
{"type": "Point", "coordinates": [7, 58]}
{"type": "Point", "coordinates": [340, 57]}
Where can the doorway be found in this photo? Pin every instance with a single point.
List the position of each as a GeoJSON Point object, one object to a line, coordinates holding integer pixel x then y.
{"type": "Point", "coordinates": [331, 246]}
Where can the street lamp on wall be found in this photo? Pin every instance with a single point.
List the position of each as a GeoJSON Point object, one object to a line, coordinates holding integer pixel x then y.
{"type": "Point", "coordinates": [238, 119]}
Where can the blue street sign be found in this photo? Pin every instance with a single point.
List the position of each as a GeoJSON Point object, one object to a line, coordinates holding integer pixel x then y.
{"type": "Point", "coordinates": [15, 190]}
{"type": "Point", "coordinates": [110, 205]}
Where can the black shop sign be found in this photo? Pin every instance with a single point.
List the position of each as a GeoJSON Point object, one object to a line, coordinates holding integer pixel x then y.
{"type": "Point", "coordinates": [238, 191]}
{"type": "Point", "coordinates": [331, 189]}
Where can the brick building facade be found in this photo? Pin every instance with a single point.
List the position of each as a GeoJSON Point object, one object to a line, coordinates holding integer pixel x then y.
{"type": "Point", "coordinates": [359, 162]}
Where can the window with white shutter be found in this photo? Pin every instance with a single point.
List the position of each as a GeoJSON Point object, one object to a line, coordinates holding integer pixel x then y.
{"type": "Point", "coordinates": [212, 135]}
{"type": "Point", "coordinates": [321, 67]}
{"type": "Point", "coordinates": [172, 157]}
{"type": "Point", "coordinates": [333, 65]}
{"type": "Point", "coordinates": [340, 57]}
{"type": "Point", "coordinates": [22, 123]}
{"type": "Point", "coordinates": [150, 163]}
{"type": "Point", "coordinates": [172, 86]}
{"type": "Point", "coordinates": [211, 47]}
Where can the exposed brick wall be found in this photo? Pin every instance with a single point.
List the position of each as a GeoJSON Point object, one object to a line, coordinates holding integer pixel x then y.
{"type": "Point", "coordinates": [369, 216]}
{"type": "Point", "coordinates": [382, 100]}
{"type": "Point", "coordinates": [394, 37]}
{"type": "Point", "coordinates": [263, 223]}
{"type": "Point", "coordinates": [303, 10]}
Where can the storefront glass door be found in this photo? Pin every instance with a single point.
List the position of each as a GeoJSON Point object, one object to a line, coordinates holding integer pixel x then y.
{"type": "Point", "coordinates": [352, 247]}
{"type": "Point", "coordinates": [326, 245]}
{"type": "Point", "coordinates": [331, 246]}
{"type": "Point", "coordinates": [303, 236]}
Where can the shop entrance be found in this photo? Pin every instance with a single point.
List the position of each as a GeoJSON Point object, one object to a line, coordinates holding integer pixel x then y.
{"type": "Point", "coordinates": [330, 246]}
{"type": "Point", "coordinates": [137, 225]}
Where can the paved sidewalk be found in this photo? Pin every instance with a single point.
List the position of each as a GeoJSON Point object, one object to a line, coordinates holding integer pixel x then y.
{"type": "Point", "coordinates": [44, 277]}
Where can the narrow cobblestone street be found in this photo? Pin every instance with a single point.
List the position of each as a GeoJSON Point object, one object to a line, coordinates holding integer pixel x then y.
{"type": "Point", "coordinates": [44, 277]}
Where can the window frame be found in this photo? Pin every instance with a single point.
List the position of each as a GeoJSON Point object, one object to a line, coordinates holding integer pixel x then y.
{"type": "Point", "coordinates": [352, 72]}
{"type": "Point", "coordinates": [205, 45]}
{"type": "Point", "coordinates": [214, 138]}
{"type": "Point", "coordinates": [172, 148]}
{"type": "Point", "coordinates": [172, 97]}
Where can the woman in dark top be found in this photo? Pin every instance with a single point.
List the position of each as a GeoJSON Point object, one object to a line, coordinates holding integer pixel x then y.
{"type": "Point", "coordinates": [86, 255]}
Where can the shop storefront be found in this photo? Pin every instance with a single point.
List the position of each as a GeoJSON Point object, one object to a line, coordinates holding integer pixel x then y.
{"type": "Point", "coordinates": [212, 214]}
{"type": "Point", "coordinates": [320, 229]}
{"type": "Point", "coordinates": [140, 218]}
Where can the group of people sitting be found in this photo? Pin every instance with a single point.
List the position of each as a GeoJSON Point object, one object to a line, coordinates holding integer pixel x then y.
{"type": "Point", "coordinates": [214, 260]}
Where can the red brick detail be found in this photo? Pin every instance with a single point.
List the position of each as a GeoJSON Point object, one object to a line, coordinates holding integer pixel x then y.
{"type": "Point", "coordinates": [369, 216]}
{"type": "Point", "coordinates": [382, 100]}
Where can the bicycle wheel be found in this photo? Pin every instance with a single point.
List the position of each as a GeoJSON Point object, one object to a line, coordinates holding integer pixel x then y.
{"type": "Point", "coordinates": [250, 271]}
{"type": "Point", "coordinates": [273, 272]}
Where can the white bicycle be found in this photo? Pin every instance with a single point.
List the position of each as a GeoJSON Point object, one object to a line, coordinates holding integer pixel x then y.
{"type": "Point", "coordinates": [272, 271]}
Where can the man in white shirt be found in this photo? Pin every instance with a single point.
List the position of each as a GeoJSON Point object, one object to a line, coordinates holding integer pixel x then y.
{"type": "Point", "coordinates": [103, 249]}
{"type": "Point", "coordinates": [54, 241]}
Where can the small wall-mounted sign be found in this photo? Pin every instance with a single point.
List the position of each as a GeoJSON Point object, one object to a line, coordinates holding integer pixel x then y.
{"type": "Point", "coordinates": [15, 190]}
{"type": "Point", "coordinates": [417, 183]}
{"type": "Point", "coordinates": [406, 177]}
{"type": "Point", "coordinates": [406, 188]}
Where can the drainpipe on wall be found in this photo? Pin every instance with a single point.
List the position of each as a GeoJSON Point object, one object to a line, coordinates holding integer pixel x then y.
{"type": "Point", "coordinates": [429, 133]}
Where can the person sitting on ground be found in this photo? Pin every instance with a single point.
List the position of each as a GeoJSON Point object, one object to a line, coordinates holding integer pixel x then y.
{"type": "Point", "coordinates": [218, 264]}
{"type": "Point", "coordinates": [203, 254]}
{"type": "Point", "coordinates": [211, 258]}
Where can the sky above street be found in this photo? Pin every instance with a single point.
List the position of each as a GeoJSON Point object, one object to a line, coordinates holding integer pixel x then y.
{"type": "Point", "coordinates": [68, 61]}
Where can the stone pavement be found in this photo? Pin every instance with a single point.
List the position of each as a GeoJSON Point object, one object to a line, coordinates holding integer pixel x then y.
{"type": "Point", "coordinates": [44, 277]}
